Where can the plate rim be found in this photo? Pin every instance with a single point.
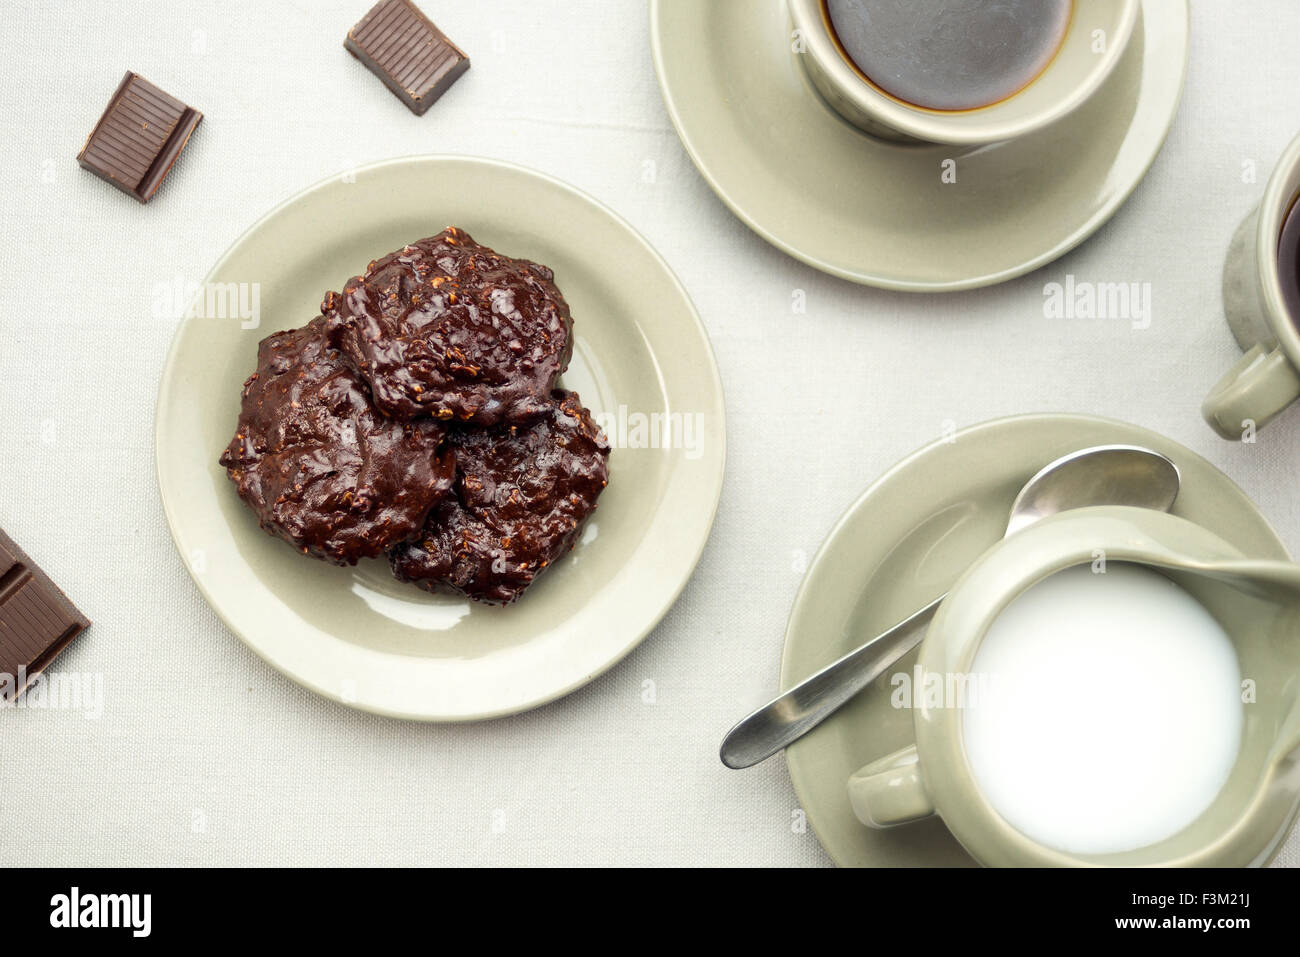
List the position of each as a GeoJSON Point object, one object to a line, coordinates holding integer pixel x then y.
{"type": "Point", "coordinates": [838, 527]}
{"type": "Point", "coordinates": [716, 389]}
{"type": "Point", "coordinates": [1081, 234]}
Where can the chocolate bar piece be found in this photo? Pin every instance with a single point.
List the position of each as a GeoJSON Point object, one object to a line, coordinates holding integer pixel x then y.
{"type": "Point", "coordinates": [139, 137]}
{"type": "Point", "coordinates": [36, 620]}
{"type": "Point", "coordinates": [402, 47]}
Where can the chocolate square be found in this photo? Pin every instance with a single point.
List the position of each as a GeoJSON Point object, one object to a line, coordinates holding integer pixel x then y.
{"type": "Point", "coordinates": [37, 621]}
{"type": "Point", "coordinates": [402, 47]}
{"type": "Point", "coordinates": [137, 140]}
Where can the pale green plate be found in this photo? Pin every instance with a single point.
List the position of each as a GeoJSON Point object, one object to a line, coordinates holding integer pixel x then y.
{"type": "Point", "coordinates": [905, 542]}
{"type": "Point", "coordinates": [357, 635]}
{"type": "Point", "coordinates": [878, 213]}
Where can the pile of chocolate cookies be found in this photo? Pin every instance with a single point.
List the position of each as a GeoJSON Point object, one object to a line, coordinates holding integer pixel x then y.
{"type": "Point", "coordinates": [417, 418]}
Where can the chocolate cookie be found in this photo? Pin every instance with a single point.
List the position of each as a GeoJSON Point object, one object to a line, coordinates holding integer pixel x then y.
{"type": "Point", "coordinates": [522, 496]}
{"type": "Point", "coordinates": [448, 328]}
{"type": "Point", "coordinates": [320, 466]}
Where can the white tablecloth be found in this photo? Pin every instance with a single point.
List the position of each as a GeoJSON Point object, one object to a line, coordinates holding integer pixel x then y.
{"type": "Point", "coordinates": [205, 755]}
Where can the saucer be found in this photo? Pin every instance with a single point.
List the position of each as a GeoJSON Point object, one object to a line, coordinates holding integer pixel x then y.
{"type": "Point", "coordinates": [907, 540]}
{"type": "Point", "coordinates": [357, 635]}
{"type": "Point", "coordinates": [879, 213]}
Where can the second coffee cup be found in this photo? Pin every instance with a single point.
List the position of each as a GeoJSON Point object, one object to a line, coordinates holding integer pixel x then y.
{"type": "Point", "coordinates": [1261, 296]}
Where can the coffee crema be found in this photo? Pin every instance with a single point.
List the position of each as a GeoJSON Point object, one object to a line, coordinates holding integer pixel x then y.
{"type": "Point", "coordinates": [949, 55]}
{"type": "Point", "coordinates": [1288, 262]}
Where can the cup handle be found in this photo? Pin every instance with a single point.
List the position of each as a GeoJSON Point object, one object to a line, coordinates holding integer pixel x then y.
{"type": "Point", "coordinates": [890, 791]}
{"type": "Point", "coordinates": [1257, 388]}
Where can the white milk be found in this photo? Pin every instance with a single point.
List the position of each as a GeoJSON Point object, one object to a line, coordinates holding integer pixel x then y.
{"type": "Point", "coordinates": [1108, 710]}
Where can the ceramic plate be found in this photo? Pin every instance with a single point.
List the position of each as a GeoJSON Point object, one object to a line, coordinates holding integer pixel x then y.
{"type": "Point", "coordinates": [878, 213]}
{"type": "Point", "coordinates": [905, 542]}
{"type": "Point", "coordinates": [355, 634]}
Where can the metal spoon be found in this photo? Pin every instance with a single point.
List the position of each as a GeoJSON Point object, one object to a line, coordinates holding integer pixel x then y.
{"type": "Point", "coordinates": [1103, 475]}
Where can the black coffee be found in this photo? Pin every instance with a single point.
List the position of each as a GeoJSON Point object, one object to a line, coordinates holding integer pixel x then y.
{"type": "Point", "coordinates": [949, 54]}
{"type": "Point", "coordinates": [1288, 262]}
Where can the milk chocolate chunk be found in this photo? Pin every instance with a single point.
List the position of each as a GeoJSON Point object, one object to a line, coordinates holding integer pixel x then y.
{"type": "Point", "coordinates": [402, 47]}
{"type": "Point", "coordinates": [523, 494]}
{"type": "Point", "coordinates": [319, 465]}
{"type": "Point", "coordinates": [37, 621]}
{"type": "Point", "coordinates": [138, 139]}
{"type": "Point", "coordinates": [451, 329]}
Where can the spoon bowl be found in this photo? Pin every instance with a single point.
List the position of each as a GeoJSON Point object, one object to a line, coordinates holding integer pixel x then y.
{"type": "Point", "coordinates": [1128, 475]}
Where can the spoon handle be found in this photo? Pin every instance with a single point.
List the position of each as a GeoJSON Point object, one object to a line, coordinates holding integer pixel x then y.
{"type": "Point", "coordinates": [796, 711]}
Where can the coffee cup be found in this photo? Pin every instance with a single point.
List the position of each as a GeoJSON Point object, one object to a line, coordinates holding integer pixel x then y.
{"type": "Point", "coordinates": [1267, 378]}
{"type": "Point", "coordinates": [1248, 811]}
{"type": "Point", "coordinates": [1081, 47]}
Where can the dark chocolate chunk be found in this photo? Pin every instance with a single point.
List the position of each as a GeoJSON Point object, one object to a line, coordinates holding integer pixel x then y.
{"type": "Point", "coordinates": [37, 621]}
{"type": "Point", "coordinates": [137, 140]}
{"type": "Point", "coordinates": [522, 496]}
{"type": "Point", "coordinates": [448, 328]}
{"type": "Point", "coordinates": [402, 47]}
{"type": "Point", "coordinates": [320, 466]}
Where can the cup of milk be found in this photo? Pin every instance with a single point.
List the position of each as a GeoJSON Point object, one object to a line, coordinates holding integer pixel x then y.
{"type": "Point", "coordinates": [1108, 687]}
